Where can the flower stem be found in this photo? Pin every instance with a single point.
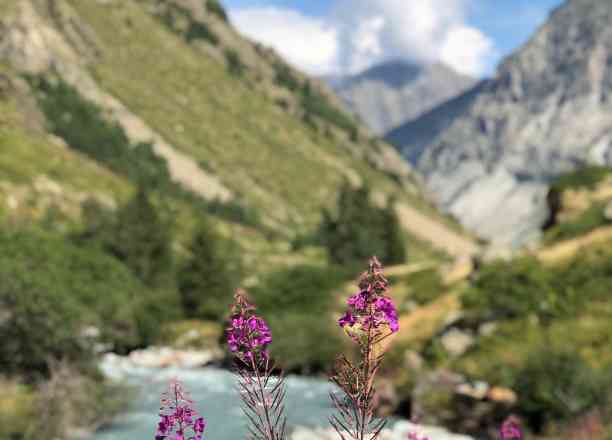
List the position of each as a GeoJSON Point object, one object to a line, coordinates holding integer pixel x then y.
{"type": "Point", "coordinates": [262, 393]}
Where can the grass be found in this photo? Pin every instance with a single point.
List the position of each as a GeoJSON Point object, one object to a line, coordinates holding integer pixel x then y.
{"type": "Point", "coordinates": [587, 177]}
{"type": "Point", "coordinates": [32, 156]}
{"type": "Point", "coordinates": [588, 221]}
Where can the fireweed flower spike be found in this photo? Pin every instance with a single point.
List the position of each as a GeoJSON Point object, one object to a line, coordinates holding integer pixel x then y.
{"type": "Point", "coordinates": [178, 418]}
{"type": "Point", "coordinates": [248, 336]}
{"type": "Point", "coordinates": [510, 429]}
{"type": "Point", "coordinates": [370, 319]}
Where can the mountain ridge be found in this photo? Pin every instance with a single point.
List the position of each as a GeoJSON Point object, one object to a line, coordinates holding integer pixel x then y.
{"type": "Point", "coordinates": [386, 95]}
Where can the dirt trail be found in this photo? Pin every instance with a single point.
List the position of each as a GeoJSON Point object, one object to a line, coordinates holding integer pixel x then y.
{"type": "Point", "coordinates": [569, 248]}
{"type": "Point", "coordinates": [420, 325]}
{"type": "Point", "coordinates": [406, 269]}
{"type": "Point", "coordinates": [439, 235]}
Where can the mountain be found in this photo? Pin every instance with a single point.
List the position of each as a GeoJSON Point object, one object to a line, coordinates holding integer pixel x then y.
{"type": "Point", "coordinates": [548, 110]}
{"type": "Point", "coordinates": [236, 126]}
{"type": "Point", "coordinates": [413, 136]}
{"type": "Point", "coordinates": [389, 94]}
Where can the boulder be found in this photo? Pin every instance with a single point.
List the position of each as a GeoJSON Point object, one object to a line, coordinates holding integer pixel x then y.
{"type": "Point", "coordinates": [456, 342]}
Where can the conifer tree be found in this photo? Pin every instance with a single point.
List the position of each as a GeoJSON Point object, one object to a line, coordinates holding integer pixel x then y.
{"type": "Point", "coordinates": [208, 278]}
{"type": "Point", "coordinates": [359, 229]}
{"type": "Point", "coordinates": [143, 242]}
{"type": "Point", "coordinates": [395, 250]}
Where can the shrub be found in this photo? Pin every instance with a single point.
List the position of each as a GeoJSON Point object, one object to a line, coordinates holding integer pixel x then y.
{"type": "Point", "coordinates": [71, 400]}
{"type": "Point", "coordinates": [180, 21]}
{"type": "Point", "coordinates": [234, 63]}
{"type": "Point", "coordinates": [512, 289]}
{"type": "Point", "coordinates": [291, 298]}
{"type": "Point", "coordinates": [359, 229]}
{"type": "Point", "coordinates": [16, 409]}
{"type": "Point", "coordinates": [82, 125]}
{"type": "Point", "coordinates": [587, 277]}
{"type": "Point", "coordinates": [233, 210]}
{"type": "Point", "coordinates": [586, 177]}
{"type": "Point", "coordinates": [591, 219]}
{"type": "Point", "coordinates": [142, 241]}
{"type": "Point", "coordinates": [516, 289]}
{"type": "Point", "coordinates": [393, 236]}
{"type": "Point", "coordinates": [208, 277]}
{"type": "Point", "coordinates": [425, 285]}
{"type": "Point", "coordinates": [284, 77]}
{"type": "Point", "coordinates": [198, 30]}
{"type": "Point", "coordinates": [316, 104]}
{"type": "Point", "coordinates": [50, 291]}
{"type": "Point", "coordinates": [152, 310]}
{"type": "Point", "coordinates": [215, 8]}
{"type": "Point", "coordinates": [573, 387]}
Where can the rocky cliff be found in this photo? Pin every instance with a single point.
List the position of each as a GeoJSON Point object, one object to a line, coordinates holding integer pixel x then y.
{"type": "Point", "coordinates": [547, 110]}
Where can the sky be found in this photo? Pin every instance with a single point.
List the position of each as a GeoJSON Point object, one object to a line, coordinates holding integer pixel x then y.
{"type": "Point", "coordinates": [340, 37]}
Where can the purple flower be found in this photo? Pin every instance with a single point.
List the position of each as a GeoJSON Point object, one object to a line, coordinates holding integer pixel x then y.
{"type": "Point", "coordinates": [199, 425]}
{"type": "Point", "coordinates": [248, 335]}
{"type": "Point", "coordinates": [370, 309]}
{"type": "Point", "coordinates": [370, 318]}
{"type": "Point", "coordinates": [177, 415]}
{"type": "Point", "coordinates": [347, 319]}
{"type": "Point", "coordinates": [510, 429]}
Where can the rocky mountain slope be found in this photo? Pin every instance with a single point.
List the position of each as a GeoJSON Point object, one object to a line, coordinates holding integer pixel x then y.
{"type": "Point", "coordinates": [389, 94]}
{"type": "Point", "coordinates": [413, 136]}
{"type": "Point", "coordinates": [547, 111]}
{"type": "Point", "coordinates": [232, 120]}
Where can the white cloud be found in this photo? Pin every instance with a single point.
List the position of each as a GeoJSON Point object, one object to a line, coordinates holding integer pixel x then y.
{"type": "Point", "coordinates": [361, 33]}
{"type": "Point", "coordinates": [466, 50]}
{"type": "Point", "coordinates": [418, 30]}
{"type": "Point", "coordinates": [308, 43]}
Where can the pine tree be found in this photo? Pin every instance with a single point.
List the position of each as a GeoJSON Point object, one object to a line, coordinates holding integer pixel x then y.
{"type": "Point", "coordinates": [208, 278]}
{"type": "Point", "coordinates": [356, 232]}
{"type": "Point", "coordinates": [143, 242]}
{"type": "Point", "coordinates": [359, 229]}
{"type": "Point", "coordinates": [395, 250]}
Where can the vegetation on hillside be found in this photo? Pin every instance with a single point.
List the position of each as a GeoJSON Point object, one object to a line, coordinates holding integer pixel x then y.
{"type": "Point", "coordinates": [585, 177]}
{"type": "Point", "coordinates": [209, 275]}
{"type": "Point", "coordinates": [290, 299]}
{"type": "Point", "coordinates": [359, 229]}
{"type": "Point", "coordinates": [258, 150]}
{"type": "Point", "coordinates": [586, 222]}
{"type": "Point", "coordinates": [86, 129]}
{"type": "Point", "coordinates": [546, 316]}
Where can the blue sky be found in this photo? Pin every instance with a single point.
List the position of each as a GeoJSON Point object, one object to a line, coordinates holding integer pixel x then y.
{"type": "Point", "coordinates": [346, 36]}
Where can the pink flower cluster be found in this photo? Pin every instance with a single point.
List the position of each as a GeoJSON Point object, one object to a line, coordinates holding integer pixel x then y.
{"type": "Point", "coordinates": [414, 435]}
{"type": "Point", "coordinates": [510, 429]}
{"type": "Point", "coordinates": [178, 418]}
{"type": "Point", "coordinates": [370, 308]}
{"type": "Point", "coordinates": [248, 335]}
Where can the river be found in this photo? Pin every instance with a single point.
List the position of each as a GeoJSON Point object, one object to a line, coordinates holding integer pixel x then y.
{"type": "Point", "coordinates": [215, 395]}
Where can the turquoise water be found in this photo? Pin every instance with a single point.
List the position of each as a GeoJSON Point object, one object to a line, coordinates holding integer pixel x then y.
{"type": "Point", "coordinates": [214, 393]}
